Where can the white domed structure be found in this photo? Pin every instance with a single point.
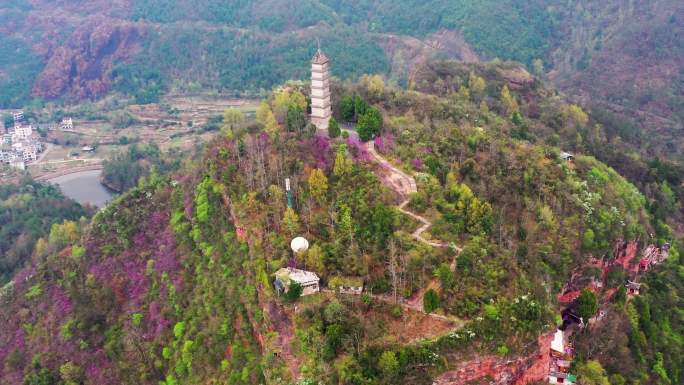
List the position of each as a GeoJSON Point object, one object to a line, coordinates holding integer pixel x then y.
{"type": "Point", "coordinates": [299, 244]}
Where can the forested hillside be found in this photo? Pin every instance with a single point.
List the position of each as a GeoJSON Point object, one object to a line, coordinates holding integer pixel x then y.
{"type": "Point", "coordinates": [172, 282]}
{"type": "Point", "coordinates": [28, 210]}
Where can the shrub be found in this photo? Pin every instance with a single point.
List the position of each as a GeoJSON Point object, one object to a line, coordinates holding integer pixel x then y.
{"type": "Point", "coordinates": [370, 124]}
{"type": "Point", "coordinates": [294, 292]}
{"type": "Point", "coordinates": [587, 304]}
{"type": "Point", "coordinates": [334, 130]}
{"type": "Point", "coordinates": [388, 364]}
{"type": "Point", "coordinates": [431, 301]}
{"type": "Point", "coordinates": [502, 350]}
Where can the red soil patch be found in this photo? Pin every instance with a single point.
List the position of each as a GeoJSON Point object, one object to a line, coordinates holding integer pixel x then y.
{"type": "Point", "coordinates": [624, 253]}
{"type": "Point", "coordinates": [417, 325]}
{"type": "Point", "coordinates": [282, 323]}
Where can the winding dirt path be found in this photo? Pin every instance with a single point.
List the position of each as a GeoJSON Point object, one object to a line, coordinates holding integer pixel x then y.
{"type": "Point", "coordinates": [404, 185]}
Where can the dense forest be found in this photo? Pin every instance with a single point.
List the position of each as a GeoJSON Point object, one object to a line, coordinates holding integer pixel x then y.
{"type": "Point", "coordinates": [28, 211]}
{"type": "Point", "coordinates": [172, 282]}
{"type": "Point", "coordinates": [122, 170]}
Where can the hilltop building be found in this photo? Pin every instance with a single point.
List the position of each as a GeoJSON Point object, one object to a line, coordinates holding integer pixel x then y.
{"type": "Point", "coordinates": [308, 280]}
{"type": "Point", "coordinates": [321, 109]}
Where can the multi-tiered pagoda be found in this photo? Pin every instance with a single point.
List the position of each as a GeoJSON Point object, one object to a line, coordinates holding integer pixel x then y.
{"type": "Point", "coordinates": [320, 90]}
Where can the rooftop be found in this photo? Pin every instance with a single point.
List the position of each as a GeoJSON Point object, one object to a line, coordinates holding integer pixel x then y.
{"type": "Point", "coordinates": [566, 155]}
{"type": "Point", "coordinates": [300, 276]}
{"type": "Point", "coordinates": [319, 57]}
{"type": "Point", "coordinates": [559, 341]}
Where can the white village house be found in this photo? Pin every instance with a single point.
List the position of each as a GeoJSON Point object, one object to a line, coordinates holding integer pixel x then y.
{"type": "Point", "coordinates": [566, 156]}
{"type": "Point", "coordinates": [22, 132]}
{"type": "Point", "coordinates": [18, 116]}
{"type": "Point", "coordinates": [67, 124]}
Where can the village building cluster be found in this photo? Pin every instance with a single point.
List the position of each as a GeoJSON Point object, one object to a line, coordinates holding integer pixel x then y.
{"type": "Point", "coordinates": [20, 144]}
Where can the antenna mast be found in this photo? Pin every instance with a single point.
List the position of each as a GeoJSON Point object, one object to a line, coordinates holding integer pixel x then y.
{"type": "Point", "coordinates": [289, 192]}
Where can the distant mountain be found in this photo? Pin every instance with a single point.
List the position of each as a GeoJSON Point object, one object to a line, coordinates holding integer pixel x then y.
{"type": "Point", "coordinates": [623, 56]}
{"type": "Point", "coordinates": [627, 57]}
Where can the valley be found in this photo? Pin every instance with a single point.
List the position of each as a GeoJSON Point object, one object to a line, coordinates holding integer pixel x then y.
{"type": "Point", "coordinates": [177, 122]}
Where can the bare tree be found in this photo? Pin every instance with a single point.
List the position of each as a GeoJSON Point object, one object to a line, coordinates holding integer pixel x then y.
{"type": "Point", "coordinates": [392, 249]}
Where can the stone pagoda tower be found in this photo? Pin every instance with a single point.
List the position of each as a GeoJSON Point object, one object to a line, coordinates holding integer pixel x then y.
{"type": "Point", "coordinates": [321, 109]}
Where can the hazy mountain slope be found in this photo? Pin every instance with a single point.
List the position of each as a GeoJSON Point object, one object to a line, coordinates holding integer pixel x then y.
{"type": "Point", "coordinates": [622, 56]}
{"type": "Point", "coordinates": [627, 57]}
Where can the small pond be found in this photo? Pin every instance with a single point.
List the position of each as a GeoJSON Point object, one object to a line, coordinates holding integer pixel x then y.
{"type": "Point", "coordinates": [84, 187]}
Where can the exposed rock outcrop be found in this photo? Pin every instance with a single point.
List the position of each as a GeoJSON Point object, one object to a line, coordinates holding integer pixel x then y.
{"type": "Point", "coordinates": [80, 68]}
{"type": "Point", "coordinates": [407, 53]}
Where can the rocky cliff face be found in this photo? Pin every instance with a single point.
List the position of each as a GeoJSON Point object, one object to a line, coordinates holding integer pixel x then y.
{"type": "Point", "coordinates": [499, 371]}
{"type": "Point", "coordinates": [80, 68]}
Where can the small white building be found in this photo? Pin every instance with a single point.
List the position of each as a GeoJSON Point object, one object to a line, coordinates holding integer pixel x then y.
{"type": "Point", "coordinates": [558, 342]}
{"type": "Point", "coordinates": [308, 280]}
{"type": "Point", "coordinates": [67, 124]}
{"type": "Point", "coordinates": [18, 116]}
{"type": "Point", "coordinates": [22, 132]}
{"type": "Point", "coordinates": [88, 149]}
{"type": "Point", "coordinates": [30, 153]}
{"type": "Point", "coordinates": [566, 156]}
